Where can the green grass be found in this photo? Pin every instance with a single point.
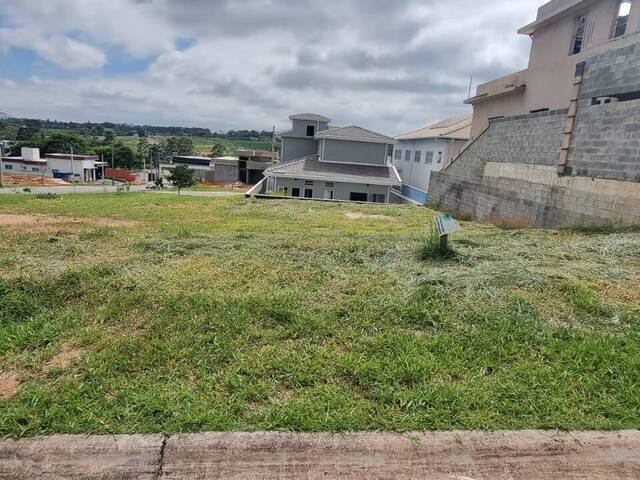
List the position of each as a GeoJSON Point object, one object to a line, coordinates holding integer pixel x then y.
{"type": "Point", "coordinates": [232, 314]}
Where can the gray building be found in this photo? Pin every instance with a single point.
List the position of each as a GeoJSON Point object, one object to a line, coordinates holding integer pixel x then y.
{"type": "Point", "coordinates": [322, 162]}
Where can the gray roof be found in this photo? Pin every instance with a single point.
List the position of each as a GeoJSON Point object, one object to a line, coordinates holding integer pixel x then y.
{"type": "Point", "coordinates": [311, 168]}
{"type": "Point", "coordinates": [310, 117]}
{"type": "Point", "coordinates": [352, 132]}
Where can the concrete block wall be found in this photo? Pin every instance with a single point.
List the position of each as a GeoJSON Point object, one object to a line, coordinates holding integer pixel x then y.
{"type": "Point", "coordinates": [509, 174]}
{"type": "Point", "coordinates": [606, 139]}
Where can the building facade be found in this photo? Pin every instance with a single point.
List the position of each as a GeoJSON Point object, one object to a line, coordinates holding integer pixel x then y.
{"type": "Point", "coordinates": [564, 33]}
{"type": "Point", "coordinates": [430, 149]}
{"type": "Point", "coordinates": [70, 168]}
{"type": "Point", "coordinates": [345, 164]}
{"type": "Point", "coordinates": [575, 162]}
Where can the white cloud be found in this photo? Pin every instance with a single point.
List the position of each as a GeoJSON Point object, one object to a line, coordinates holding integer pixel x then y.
{"type": "Point", "coordinates": [62, 51]}
{"type": "Point", "coordinates": [389, 66]}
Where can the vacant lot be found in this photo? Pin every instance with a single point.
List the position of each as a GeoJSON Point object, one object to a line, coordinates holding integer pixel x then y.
{"type": "Point", "coordinates": [148, 313]}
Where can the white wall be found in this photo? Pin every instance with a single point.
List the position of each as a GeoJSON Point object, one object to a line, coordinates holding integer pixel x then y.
{"type": "Point", "coordinates": [417, 174]}
{"type": "Point", "coordinates": [63, 165]}
{"type": "Point", "coordinates": [341, 190]}
{"type": "Point", "coordinates": [19, 168]}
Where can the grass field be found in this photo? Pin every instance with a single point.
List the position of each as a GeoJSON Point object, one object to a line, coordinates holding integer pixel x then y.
{"type": "Point", "coordinates": [152, 313]}
{"type": "Point", "coordinates": [203, 145]}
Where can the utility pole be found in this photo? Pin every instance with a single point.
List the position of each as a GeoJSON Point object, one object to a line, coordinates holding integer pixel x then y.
{"type": "Point", "coordinates": [113, 181]}
{"type": "Point", "coordinates": [73, 172]}
{"type": "Point", "coordinates": [1, 166]}
{"type": "Point", "coordinates": [102, 162]}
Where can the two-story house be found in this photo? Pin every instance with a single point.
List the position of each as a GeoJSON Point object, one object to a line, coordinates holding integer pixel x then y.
{"type": "Point", "coordinates": [416, 154]}
{"type": "Point", "coordinates": [322, 162]}
{"type": "Point", "coordinates": [564, 32]}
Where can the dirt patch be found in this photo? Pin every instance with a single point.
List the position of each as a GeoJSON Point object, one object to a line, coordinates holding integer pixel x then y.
{"type": "Point", "coordinates": [9, 385]}
{"type": "Point", "coordinates": [36, 220]}
{"type": "Point", "coordinates": [63, 359]}
{"type": "Point", "coordinates": [362, 216]}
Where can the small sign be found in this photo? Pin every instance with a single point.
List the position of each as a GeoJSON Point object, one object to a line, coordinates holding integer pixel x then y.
{"type": "Point", "coordinates": [447, 225]}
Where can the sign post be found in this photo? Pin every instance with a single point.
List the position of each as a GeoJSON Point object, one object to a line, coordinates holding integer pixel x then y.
{"type": "Point", "coordinates": [446, 225]}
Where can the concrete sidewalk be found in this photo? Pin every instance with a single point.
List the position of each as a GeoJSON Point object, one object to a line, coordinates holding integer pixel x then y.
{"type": "Point", "coordinates": [234, 456]}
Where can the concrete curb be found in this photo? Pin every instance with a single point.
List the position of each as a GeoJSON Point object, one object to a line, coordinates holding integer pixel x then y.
{"type": "Point", "coordinates": [360, 456]}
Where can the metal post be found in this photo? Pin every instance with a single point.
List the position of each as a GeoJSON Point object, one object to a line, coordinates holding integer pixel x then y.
{"type": "Point", "coordinates": [444, 244]}
{"type": "Point", "coordinates": [1, 165]}
{"type": "Point", "coordinates": [73, 172]}
{"type": "Point", "coordinates": [113, 182]}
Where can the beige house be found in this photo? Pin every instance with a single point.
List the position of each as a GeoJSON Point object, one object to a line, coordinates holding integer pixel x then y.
{"type": "Point", "coordinates": [564, 32]}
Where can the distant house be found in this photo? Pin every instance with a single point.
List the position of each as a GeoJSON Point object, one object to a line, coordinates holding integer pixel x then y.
{"type": "Point", "coordinates": [85, 168]}
{"type": "Point", "coordinates": [247, 167]}
{"type": "Point", "coordinates": [416, 154]}
{"type": "Point", "coordinates": [79, 168]}
{"type": "Point", "coordinates": [321, 162]}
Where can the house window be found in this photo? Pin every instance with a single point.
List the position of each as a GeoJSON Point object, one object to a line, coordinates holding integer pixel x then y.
{"type": "Point", "coordinates": [428, 158]}
{"type": "Point", "coordinates": [407, 155]}
{"type": "Point", "coordinates": [397, 155]}
{"type": "Point", "coordinates": [378, 198]}
{"type": "Point", "coordinates": [357, 197]}
{"type": "Point", "coordinates": [35, 169]}
{"type": "Point", "coordinates": [311, 130]}
{"type": "Point", "coordinates": [8, 167]}
{"type": "Point", "coordinates": [620, 25]}
{"type": "Point", "coordinates": [308, 193]}
{"type": "Point", "coordinates": [418, 156]}
{"type": "Point", "coordinates": [295, 192]}
{"type": "Point", "coordinates": [308, 183]}
{"type": "Point", "coordinates": [578, 38]}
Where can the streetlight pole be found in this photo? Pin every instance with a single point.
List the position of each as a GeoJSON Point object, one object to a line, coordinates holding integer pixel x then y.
{"type": "Point", "coordinates": [1, 166]}
{"type": "Point", "coordinates": [73, 172]}
{"type": "Point", "coordinates": [113, 182]}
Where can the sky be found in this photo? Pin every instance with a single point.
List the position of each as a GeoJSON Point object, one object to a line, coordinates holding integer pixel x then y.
{"type": "Point", "coordinates": [388, 65]}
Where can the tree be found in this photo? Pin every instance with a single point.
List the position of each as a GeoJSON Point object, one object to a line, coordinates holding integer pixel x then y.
{"type": "Point", "coordinates": [123, 156]}
{"type": "Point", "coordinates": [219, 150]}
{"type": "Point", "coordinates": [109, 137]}
{"type": "Point", "coordinates": [182, 177]}
{"type": "Point", "coordinates": [180, 146]}
{"type": "Point", "coordinates": [62, 143]}
{"type": "Point", "coordinates": [142, 151]}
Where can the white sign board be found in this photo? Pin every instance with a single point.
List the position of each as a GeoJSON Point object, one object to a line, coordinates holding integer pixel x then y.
{"type": "Point", "coordinates": [447, 225]}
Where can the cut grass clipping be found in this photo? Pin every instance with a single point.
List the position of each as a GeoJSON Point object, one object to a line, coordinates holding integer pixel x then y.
{"type": "Point", "coordinates": [156, 313]}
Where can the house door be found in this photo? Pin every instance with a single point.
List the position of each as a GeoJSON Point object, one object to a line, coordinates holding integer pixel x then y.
{"type": "Point", "coordinates": [242, 172]}
{"type": "Point", "coordinates": [295, 192]}
{"type": "Point", "coordinates": [328, 194]}
{"type": "Point", "coordinates": [308, 193]}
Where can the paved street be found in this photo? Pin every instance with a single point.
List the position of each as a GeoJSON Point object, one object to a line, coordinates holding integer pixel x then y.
{"type": "Point", "coordinates": [84, 189]}
{"type": "Point", "coordinates": [368, 456]}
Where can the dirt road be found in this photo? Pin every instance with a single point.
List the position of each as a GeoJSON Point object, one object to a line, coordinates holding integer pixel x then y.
{"type": "Point", "coordinates": [430, 456]}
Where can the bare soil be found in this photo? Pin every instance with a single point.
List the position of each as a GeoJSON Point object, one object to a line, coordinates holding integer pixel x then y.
{"type": "Point", "coordinates": [9, 385]}
{"type": "Point", "coordinates": [63, 359]}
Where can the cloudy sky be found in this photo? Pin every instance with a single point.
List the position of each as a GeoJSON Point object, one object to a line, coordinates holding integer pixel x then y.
{"type": "Point", "coordinates": [389, 65]}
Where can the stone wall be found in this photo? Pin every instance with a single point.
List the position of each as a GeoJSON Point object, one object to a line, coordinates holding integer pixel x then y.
{"type": "Point", "coordinates": [508, 175]}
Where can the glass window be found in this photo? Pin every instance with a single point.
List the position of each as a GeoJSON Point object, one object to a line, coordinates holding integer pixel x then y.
{"type": "Point", "coordinates": [578, 38]}
{"type": "Point", "coordinates": [8, 167]}
{"type": "Point", "coordinates": [311, 130]}
{"type": "Point", "coordinates": [407, 155]}
{"type": "Point", "coordinates": [397, 155]}
{"type": "Point", "coordinates": [622, 18]}
{"type": "Point", "coordinates": [428, 158]}
{"type": "Point", "coordinates": [418, 156]}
